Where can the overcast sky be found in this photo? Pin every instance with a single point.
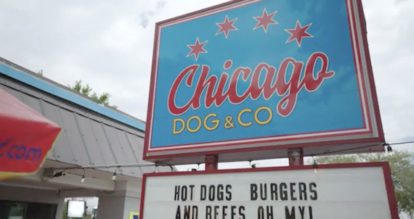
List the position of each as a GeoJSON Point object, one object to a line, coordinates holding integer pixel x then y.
{"type": "Point", "coordinates": [108, 44]}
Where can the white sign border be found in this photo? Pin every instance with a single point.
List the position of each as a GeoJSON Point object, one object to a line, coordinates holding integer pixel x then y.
{"type": "Point", "coordinates": [384, 165]}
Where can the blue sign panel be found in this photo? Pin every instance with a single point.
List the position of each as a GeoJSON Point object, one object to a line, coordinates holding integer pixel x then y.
{"type": "Point", "coordinates": [268, 73]}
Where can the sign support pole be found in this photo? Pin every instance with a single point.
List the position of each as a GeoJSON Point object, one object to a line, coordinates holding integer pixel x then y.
{"type": "Point", "coordinates": [211, 163]}
{"type": "Point", "coordinates": [295, 157]}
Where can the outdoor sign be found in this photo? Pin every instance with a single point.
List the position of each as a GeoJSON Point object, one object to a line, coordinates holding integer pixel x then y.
{"type": "Point", "coordinates": [357, 191]}
{"type": "Point", "coordinates": [262, 75]}
{"type": "Point", "coordinates": [26, 137]}
{"type": "Point", "coordinates": [133, 215]}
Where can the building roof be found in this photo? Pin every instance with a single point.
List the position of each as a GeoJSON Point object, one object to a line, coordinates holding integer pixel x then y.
{"type": "Point", "coordinates": [92, 134]}
{"type": "Point", "coordinates": [46, 85]}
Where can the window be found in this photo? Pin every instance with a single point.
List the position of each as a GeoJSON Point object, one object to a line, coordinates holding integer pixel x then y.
{"type": "Point", "coordinates": [17, 210]}
{"type": "Point", "coordinates": [12, 210]}
{"type": "Point", "coordinates": [25, 210]}
{"type": "Point", "coordinates": [40, 211]}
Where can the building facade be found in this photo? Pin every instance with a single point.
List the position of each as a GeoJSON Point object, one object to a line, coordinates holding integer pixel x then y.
{"type": "Point", "coordinates": [96, 143]}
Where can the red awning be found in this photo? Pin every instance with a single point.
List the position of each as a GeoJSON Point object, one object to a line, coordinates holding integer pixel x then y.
{"type": "Point", "coordinates": [26, 137]}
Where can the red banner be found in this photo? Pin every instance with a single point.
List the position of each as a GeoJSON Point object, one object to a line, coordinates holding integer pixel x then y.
{"type": "Point", "coordinates": [26, 137]}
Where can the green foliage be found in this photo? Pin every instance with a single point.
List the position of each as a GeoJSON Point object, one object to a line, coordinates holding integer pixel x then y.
{"type": "Point", "coordinates": [65, 210]}
{"type": "Point", "coordinates": [87, 91]}
{"type": "Point", "coordinates": [402, 171]}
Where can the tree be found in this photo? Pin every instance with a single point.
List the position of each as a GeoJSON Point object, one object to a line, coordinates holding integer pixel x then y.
{"type": "Point", "coordinates": [86, 90]}
{"type": "Point", "coordinates": [65, 210]}
{"type": "Point", "coordinates": [402, 172]}
{"type": "Point", "coordinates": [40, 72]}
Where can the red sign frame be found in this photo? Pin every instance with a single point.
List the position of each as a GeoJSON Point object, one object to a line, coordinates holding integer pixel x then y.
{"type": "Point", "coordinates": [268, 149]}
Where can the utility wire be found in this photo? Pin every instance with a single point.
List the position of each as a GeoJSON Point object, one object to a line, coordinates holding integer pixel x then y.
{"type": "Point", "coordinates": [172, 169]}
{"type": "Point", "coordinates": [403, 142]}
{"type": "Point", "coordinates": [156, 165]}
{"type": "Point", "coordinates": [362, 147]}
{"type": "Point", "coordinates": [345, 150]}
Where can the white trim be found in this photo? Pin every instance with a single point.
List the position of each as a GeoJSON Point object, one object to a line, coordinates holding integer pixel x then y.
{"type": "Point", "coordinates": [365, 69]}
